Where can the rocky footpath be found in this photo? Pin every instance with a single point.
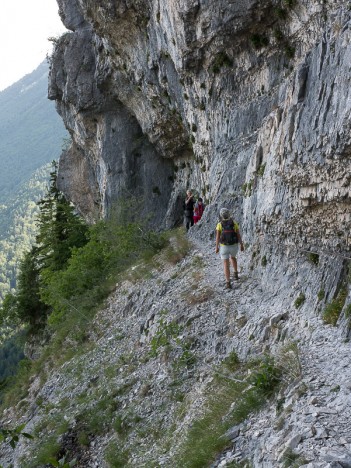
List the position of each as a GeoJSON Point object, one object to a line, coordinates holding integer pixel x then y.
{"type": "Point", "coordinates": [133, 370]}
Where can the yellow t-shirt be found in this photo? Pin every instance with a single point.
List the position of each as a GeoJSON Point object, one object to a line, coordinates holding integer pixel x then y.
{"type": "Point", "coordinates": [219, 228]}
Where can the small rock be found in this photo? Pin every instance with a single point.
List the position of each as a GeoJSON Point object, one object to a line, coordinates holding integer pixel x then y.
{"type": "Point", "coordinates": [233, 432]}
{"type": "Point", "coordinates": [294, 441]}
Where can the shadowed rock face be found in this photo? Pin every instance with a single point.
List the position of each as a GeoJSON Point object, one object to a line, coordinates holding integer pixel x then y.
{"type": "Point", "coordinates": [247, 102]}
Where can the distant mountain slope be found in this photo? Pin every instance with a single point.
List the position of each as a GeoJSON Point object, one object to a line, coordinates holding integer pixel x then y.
{"type": "Point", "coordinates": [31, 132]}
{"type": "Point", "coordinates": [18, 226]}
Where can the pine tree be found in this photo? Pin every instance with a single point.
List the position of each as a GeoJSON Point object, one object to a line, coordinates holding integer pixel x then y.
{"type": "Point", "coordinates": [60, 229]}
{"type": "Point", "coordinates": [30, 308]}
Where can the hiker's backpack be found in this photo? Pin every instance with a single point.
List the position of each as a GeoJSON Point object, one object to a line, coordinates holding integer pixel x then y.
{"type": "Point", "coordinates": [229, 235]}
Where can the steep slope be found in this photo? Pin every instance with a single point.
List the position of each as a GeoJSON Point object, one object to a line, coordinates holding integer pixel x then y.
{"type": "Point", "coordinates": [130, 399]}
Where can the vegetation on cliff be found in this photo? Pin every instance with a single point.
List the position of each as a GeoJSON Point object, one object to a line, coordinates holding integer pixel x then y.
{"type": "Point", "coordinates": [71, 269]}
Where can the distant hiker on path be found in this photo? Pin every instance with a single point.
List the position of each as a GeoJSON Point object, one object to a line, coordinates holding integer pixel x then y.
{"type": "Point", "coordinates": [189, 209]}
{"type": "Point", "coordinates": [228, 239]}
{"type": "Point", "coordinates": [198, 210]}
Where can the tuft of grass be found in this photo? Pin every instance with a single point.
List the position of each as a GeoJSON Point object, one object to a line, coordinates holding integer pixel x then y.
{"type": "Point", "coordinates": [299, 300]}
{"type": "Point", "coordinates": [288, 360]}
{"type": "Point", "coordinates": [333, 310]}
{"type": "Point", "coordinates": [115, 456]}
{"type": "Point", "coordinates": [292, 459]}
{"type": "Point", "coordinates": [261, 169]}
{"type": "Point", "coordinates": [321, 294]}
{"type": "Point", "coordinates": [48, 449]}
{"type": "Point", "coordinates": [199, 296]}
{"type": "Point", "coordinates": [230, 402]}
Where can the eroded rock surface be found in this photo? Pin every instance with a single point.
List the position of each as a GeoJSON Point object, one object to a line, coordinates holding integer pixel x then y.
{"type": "Point", "coordinates": [246, 102]}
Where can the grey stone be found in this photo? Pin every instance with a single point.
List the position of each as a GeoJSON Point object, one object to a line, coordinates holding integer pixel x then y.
{"type": "Point", "coordinates": [233, 432]}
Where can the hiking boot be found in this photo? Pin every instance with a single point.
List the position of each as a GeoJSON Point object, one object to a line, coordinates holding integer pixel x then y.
{"type": "Point", "coordinates": [236, 276]}
{"type": "Point", "coordinates": [228, 285]}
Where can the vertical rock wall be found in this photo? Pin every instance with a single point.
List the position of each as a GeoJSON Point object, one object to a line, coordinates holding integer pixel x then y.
{"type": "Point", "coordinates": [247, 103]}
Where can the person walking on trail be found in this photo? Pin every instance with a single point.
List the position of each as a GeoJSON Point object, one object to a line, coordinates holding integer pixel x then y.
{"type": "Point", "coordinates": [228, 239]}
{"type": "Point", "coordinates": [198, 210]}
{"type": "Point", "coordinates": [189, 210]}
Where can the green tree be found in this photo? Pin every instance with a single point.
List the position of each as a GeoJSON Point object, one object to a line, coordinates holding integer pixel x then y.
{"type": "Point", "coordinates": [60, 229]}
{"type": "Point", "coordinates": [30, 308]}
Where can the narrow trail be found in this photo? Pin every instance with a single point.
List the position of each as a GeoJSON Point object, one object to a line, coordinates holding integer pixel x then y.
{"type": "Point", "coordinates": [317, 408]}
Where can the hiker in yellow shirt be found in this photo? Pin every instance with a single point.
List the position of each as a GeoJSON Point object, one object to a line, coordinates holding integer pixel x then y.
{"type": "Point", "coordinates": [228, 239]}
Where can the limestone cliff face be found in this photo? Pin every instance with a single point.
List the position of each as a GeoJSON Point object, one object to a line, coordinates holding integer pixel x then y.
{"type": "Point", "coordinates": [246, 102]}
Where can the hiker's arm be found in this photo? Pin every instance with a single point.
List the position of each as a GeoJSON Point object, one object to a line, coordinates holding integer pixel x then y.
{"type": "Point", "coordinates": [217, 240]}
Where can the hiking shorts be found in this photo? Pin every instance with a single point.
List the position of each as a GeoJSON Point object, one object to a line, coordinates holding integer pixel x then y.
{"type": "Point", "coordinates": [227, 251]}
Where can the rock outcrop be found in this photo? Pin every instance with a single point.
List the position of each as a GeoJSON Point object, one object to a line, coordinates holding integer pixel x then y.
{"type": "Point", "coordinates": [248, 103]}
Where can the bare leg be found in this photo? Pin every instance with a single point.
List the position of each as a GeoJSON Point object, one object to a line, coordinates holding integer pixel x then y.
{"type": "Point", "coordinates": [226, 270]}
{"type": "Point", "coordinates": [234, 263]}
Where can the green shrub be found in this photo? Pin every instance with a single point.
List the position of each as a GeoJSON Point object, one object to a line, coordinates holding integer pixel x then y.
{"type": "Point", "coordinates": [299, 300]}
{"type": "Point", "coordinates": [264, 261]}
{"type": "Point", "coordinates": [280, 12]}
{"type": "Point", "coordinates": [333, 310]}
{"type": "Point", "coordinates": [48, 449]}
{"type": "Point", "coordinates": [221, 60]}
{"type": "Point", "coordinates": [231, 362]}
{"type": "Point", "coordinates": [156, 190]}
{"type": "Point", "coordinates": [278, 35]}
{"type": "Point", "coordinates": [12, 436]}
{"type": "Point", "coordinates": [289, 3]}
{"type": "Point", "coordinates": [259, 41]}
{"type": "Point", "coordinates": [289, 51]}
{"type": "Point", "coordinates": [313, 258]}
{"type": "Point", "coordinates": [166, 332]}
{"type": "Point", "coordinates": [93, 269]}
{"type": "Point", "coordinates": [266, 377]}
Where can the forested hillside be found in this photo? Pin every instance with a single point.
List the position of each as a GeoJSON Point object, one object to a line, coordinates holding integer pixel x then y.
{"type": "Point", "coordinates": [31, 136]}
{"type": "Point", "coordinates": [31, 132]}
{"type": "Point", "coordinates": [18, 226]}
